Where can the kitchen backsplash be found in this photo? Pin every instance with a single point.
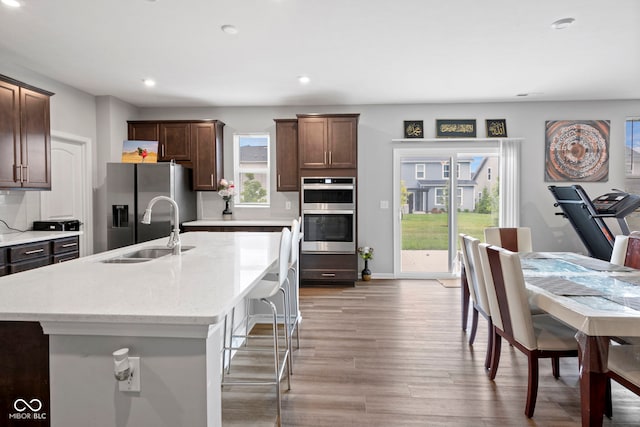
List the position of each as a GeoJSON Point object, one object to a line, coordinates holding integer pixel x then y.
{"type": "Point", "coordinates": [211, 205]}
{"type": "Point", "coordinates": [19, 209]}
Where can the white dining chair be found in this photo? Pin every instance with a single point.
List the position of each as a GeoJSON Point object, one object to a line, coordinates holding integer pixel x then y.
{"type": "Point", "coordinates": [515, 239]}
{"type": "Point", "coordinates": [477, 290]}
{"type": "Point", "coordinates": [626, 251]}
{"type": "Point", "coordinates": [263, 292]}
{"type": "Point", "coordinates": [539, 336]}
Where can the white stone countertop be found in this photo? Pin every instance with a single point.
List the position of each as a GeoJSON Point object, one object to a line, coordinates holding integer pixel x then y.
{"type": "Point", "coordinates": [19, 238]}
{"type": "Point", "coordinates": [196, 288]}
{"type": "Point", "coordinates": [278, 222]}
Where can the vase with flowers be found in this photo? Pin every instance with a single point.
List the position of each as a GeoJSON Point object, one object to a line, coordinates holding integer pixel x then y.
{"type": "Point", "coordinates": [366, 253]}
{"type": "Point", "coordinates": [226, 190]}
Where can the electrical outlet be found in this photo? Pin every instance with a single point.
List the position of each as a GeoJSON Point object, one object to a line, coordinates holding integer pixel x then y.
{"type": "Point", "coordinates": [133, 382]}
{"type": "Point", "coordinates": [287, 205]}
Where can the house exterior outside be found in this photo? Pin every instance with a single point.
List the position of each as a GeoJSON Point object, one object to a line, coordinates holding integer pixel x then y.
{"type": "Point", "coordinates": [427, 182]}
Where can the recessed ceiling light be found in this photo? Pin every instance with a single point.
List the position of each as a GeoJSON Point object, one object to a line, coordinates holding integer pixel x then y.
{"type": "Point", "coordinates": [229, 29]}
{"type": "Point", "coordinates": [563, 23]}
{"type": "Point", "coordinates": [149, 82]}
{"type": "Point", "coordinates": [11, 3]}
{"type": "Point", "coordinates": [304, 80]}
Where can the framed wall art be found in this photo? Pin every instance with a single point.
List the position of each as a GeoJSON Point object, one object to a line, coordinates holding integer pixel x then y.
{"type": "Point", "coordinates": [496, 128]}
{"type": "Point", "coordinates": [413, 129]}
{"type": "Point", "coordinates": [576, 150]}
{"type": "Point", "coordinates": [140, 152]}
{"type": "Point", "coordinates": [446, 128]}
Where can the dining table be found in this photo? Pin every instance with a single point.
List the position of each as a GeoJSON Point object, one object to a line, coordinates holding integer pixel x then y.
{"type": "Point", "coordinates": [599, 299]}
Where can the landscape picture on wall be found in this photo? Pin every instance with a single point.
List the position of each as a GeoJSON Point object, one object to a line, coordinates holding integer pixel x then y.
{"type": "Point", "coordinates": [140, 152]}
{"type": "Point", "coordinates": [577, 150]}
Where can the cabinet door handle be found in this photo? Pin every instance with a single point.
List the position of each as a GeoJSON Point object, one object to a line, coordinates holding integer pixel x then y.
{"type": "Point", "coordinates": [278, 180]}
{"type": "Point", "coordinates": [212, 180]}
{"type": "Point", "coordinates": [68, 245]}
{"type": "Point", "coordinates": [66, 259]}
{"type": "Point", "coordinates": [328, 274]}
{"type": "Point", "coordinates": [17, 173]}
{"type": "Point", "coordinates": [35, 251]}
{"type": "Point", "coordinates": [330, 161]}
{"type": "Point", "coordinates": [26, 175]}
{"type": "Point", "coordinates": [325, 157]}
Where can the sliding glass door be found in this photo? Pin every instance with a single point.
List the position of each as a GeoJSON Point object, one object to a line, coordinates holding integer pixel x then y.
{"type": "Point", "coordinates": [441, 192]}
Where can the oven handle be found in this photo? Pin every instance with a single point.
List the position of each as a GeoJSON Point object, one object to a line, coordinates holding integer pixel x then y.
{"type": "Point", "coordinates": [327, 187]}
{"type": "Point", "coordinates": [328, 211]}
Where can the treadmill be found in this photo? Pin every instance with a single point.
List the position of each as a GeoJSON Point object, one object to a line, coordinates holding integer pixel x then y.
{"type": "Point", "coordinates": [588, 216]}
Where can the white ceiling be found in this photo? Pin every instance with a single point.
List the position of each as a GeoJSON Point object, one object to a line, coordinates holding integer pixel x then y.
{"type": "Point", "coordinates": [354, 51]}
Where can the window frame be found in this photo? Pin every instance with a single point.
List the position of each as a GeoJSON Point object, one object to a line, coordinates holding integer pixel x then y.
{"type": "Point", "coordinates": [239, 169]}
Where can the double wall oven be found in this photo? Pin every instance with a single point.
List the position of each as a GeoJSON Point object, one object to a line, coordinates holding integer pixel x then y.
{"type": "Point", "coordinates": [329, 215]}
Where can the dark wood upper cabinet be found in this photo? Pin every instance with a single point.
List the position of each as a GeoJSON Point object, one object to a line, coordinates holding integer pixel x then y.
{"type": "Point", "coordinates": [328, 141]}
{"type": "Point", "coordinates": [175, 142]}
{"type": "Point", "coordinates": [25, 136]}
{"type": "Point", "coordinates": [196, 144]}
{"type": "Point", "coordinates": [174, 138]}
{"type": "Point", "coordinates": [144, 131]}
{"type": "Point", "coordinates": [206, 145]}
{"type": "Point", "coordinates": [9, 135]}
{"type": "Point", "coordinates": [287, 155]}
{"type": "Point", "coordinates": [343, 142]}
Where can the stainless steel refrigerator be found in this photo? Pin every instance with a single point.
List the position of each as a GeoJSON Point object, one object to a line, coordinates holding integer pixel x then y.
{"type": "Point", "coordinates": [130, 187]}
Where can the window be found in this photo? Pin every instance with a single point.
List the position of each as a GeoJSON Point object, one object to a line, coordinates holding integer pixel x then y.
{"type": "Point", "coordinates": [488, 174]}
{"type": "Point", "coordinates": [420, 171]}
{"type": "Point", "coordinates": [446, 170]}
{"type": "Point", "coordinates": [251, 166]}
{"type": "Point", "coordinates": [441, 196]}
{"type": "Point", "coordinates": [632, 147]}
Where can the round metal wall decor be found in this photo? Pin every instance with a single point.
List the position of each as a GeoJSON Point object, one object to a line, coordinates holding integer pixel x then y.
{"type": "Point", "coordinates": [577, 150]}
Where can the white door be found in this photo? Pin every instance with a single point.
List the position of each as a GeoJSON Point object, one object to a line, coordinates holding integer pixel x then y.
{"type": "Point", "coordinates": [70, 193]}
{"type": "Point", "coordinates": [426, 227]}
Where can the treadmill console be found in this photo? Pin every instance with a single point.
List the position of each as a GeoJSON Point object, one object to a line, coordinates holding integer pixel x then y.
{"type": "Point", "coordinates": [617, 204]}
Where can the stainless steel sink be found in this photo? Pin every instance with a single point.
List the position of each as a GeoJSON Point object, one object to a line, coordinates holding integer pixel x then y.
{"type": "Point", "coordinates": [119, 260]}
{"type": "Point", "coordinates": [144, 254]}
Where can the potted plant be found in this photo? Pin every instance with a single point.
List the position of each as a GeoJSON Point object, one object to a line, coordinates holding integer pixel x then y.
{"type": "Point", "coordinates": [366, 253]}
{"type": "Point", "coordinates": [226, 191]}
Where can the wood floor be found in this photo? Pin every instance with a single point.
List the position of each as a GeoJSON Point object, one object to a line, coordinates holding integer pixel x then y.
{"type": "Point", "coordinates": [392, 353]}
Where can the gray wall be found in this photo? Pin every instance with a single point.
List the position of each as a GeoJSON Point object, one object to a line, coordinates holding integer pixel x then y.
{"type": "Point", "coordinates": [103, 120]}
{"type": "Point", "coordinates": [379, 124]}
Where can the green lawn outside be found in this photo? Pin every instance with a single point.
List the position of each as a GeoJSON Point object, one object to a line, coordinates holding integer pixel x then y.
{"type": "Point", "coordinates": [431, 231]}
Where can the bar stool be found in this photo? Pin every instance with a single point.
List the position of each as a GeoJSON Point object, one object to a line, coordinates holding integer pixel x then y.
{"type": "Point", "coordinates": [262, 292]}
{"type": "Point", "coordinates": [294, 285]}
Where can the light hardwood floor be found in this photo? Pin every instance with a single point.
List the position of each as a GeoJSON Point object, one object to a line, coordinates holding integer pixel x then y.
{"type": "Point", "coordinates": [392, 353]}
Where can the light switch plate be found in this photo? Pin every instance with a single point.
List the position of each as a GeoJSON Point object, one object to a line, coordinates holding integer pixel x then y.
{"type": "Point", "coordinates": [384, 204]}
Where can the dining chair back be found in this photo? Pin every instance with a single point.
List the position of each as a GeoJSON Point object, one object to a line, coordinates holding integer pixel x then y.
{"type": "Point", "coordinates": [515, 239]}
{"type": "Point", "coordinates": [539, 336]}
{"type": "Point", "coordinates": [626, 251]}
{"type": "Point", "coordinates": [477, 289]}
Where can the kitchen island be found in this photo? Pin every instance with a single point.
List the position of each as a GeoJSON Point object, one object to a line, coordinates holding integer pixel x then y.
{"type": "Point", "coordinates": [168, 311]}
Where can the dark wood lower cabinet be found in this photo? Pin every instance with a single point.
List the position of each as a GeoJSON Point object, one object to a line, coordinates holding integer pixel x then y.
{"type": "Point", "coordinates": [24, 375]}
{"type": "Point", "coordinates": [328, 269]}
{"type": "Point", "coordinates": [24, 348]}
